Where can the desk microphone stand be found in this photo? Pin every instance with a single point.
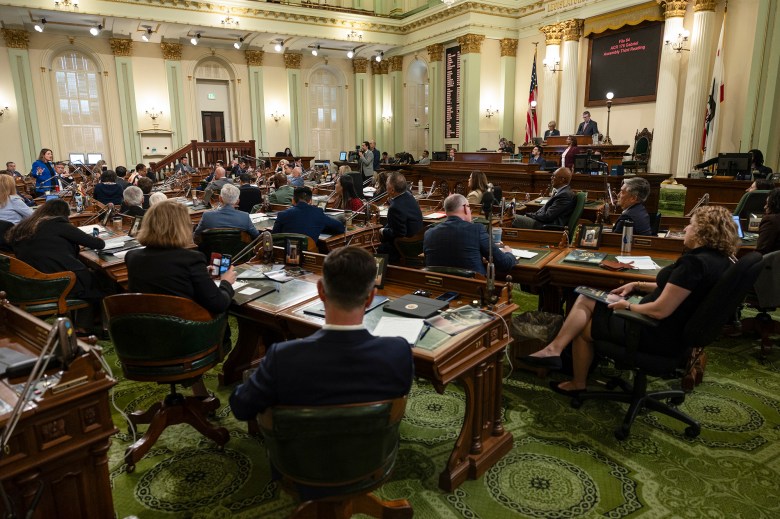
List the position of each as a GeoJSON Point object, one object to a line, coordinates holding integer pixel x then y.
{"type": "Point", "coordinates": [489, 298]}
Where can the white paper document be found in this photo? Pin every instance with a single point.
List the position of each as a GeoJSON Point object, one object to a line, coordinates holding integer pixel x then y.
{"type": "Point", "coordinates": [409, 329]}
{"type": "Point", "coordinates": [122, 254]}
{"type": "Point", "coordinates": [639, 262]}
{"type": "Point", "coordinates": [522, 253]}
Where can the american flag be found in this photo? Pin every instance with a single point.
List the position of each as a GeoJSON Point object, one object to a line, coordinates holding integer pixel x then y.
{"type": "Point", "coordinates": [531, 123]}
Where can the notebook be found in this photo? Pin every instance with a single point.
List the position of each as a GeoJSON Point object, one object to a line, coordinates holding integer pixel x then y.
{"type": "Point", "coordinates": [318, 309]}
{"type": "Point", "coordinates": [415, 306]}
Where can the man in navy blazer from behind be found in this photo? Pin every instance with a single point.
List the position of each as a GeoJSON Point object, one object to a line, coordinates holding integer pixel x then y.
{"type": "Point", "coordinates": [227, 216]}
{"type": "Point", "coordinates": [340, 364]}
{"type": "Point", "coordinates": [404, 217]}
{"type": "Point", "coordinates": [457, 242]}
{"type": "Point", "coordinates": [304, 218]}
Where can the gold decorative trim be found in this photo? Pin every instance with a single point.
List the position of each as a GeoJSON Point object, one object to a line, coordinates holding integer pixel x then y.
{"type": "Point", "coordinates": [572, 30]}
{"type": "Point", "coordinates": [379, 68]}
{"type": "Point", "coordinates": [553, 34]}
{"type": "Point", "coordinates": [171, 51]}
{"type": "Point", "coordinates": [435, 52]}
{"type": "Point", "coordinates": [360, 65]}
{"type": "Point", "coordinates": [292, 60]}
{"type": "Point", "coordinates": [647, 12]}
{"type": "Point", "coordinates": [704, 5]}
{"type": "Point", "coordinates": [508, 47]}
{"type": "Point", "coordinates": [121, 46]}
{"type": "Point", "coordinates": [254, 58]}
{"type": "Point", "coordinates": [396, 63]}
{"type": "Point", "coordinates": [673, 8]}
{"type": "Point", "coordinates": [16, 38]}
{"type": "Point", "coordinates": [470, 43]}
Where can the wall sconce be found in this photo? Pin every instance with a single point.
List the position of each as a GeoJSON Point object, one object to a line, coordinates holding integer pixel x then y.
{"type": "Point", "coordinates": [3, 110]}
{"type": "Point", "coordinates": [387, 118]}
{"type": "Point", "coordinates": [553, 65]}
{"type": "Point", "coordinates": [153, 115]}
{"type": "Point", "coordinates": [69, 4]}
{"type": "Point", "coordinates": [490, 113]}
{"type": "Point", "coordinates": [678, 43]}
{"type": "Point", "coordinates": [610, 96]}
{"type": "Point", "coordinates": [276, 116]}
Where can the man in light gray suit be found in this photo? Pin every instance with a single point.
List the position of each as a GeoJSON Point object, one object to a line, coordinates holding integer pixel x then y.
{"type": "Point", "coordinates": [366, 160]}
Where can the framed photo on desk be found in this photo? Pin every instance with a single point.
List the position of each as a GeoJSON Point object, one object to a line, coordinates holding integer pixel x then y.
{"type": "Point", "coordinates": [381, 269]}
{"type": "Point", "coordinates": [590, 236]}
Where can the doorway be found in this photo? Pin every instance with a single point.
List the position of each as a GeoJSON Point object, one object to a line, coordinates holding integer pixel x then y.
{"type": "Point", "coordinates": [213, 126]}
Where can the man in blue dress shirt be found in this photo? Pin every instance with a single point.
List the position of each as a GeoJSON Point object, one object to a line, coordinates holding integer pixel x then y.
{"type": "Point", "coordinates": [304, 218]}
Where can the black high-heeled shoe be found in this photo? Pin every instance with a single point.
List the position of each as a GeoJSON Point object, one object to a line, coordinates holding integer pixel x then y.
{"type": "Point", "coordinates": [553, 362]}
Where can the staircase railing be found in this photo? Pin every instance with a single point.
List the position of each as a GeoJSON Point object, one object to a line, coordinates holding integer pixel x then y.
{"type": "Point", "coordinates": [203, 155]}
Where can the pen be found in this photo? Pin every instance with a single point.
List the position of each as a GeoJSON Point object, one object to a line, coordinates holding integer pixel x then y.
{"type": "Point", "coordinates": [424, 332]}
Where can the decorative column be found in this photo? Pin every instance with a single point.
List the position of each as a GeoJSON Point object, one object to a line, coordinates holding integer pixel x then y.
{"type": "Point", "coordinates": [435, 97]}
{"type": "Point", "coordinates": [360, 67]}
{"type": "Point", "coordinates": [470, 73]}
{"type": "Point", "coordinates": [292, 62]}
{"type": "Point", "coordinates": [553, 34]}
{"type": "Point", "coordinates": [396, 141]}
{"type": "Point", "coordinates": [172, 55]}
{"type": "Point", "coordinates": [17, 42]}
{"type": "Point", "coordinates": [696, 90]}
{"type": "Point", "coordinates": [123, 50]}
{"type": "Point", "coordinates": [507, 71]}
{"type": "Point", "coordinates": [567, 116]}
{"type": "Point", "coordinates": [378, 71]}
{"type": "Point", "coordinates": [666, 95]}
{"type": "Point", "coordinates": [254, 60]}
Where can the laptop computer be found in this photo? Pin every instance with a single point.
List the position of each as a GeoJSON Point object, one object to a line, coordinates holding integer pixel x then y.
{"type": "Point", "coordinates": [743, 235]}
{"type": "Point", "coordinates": [343, 156]}
{"type": "Point", "coordinates": [411, 305]}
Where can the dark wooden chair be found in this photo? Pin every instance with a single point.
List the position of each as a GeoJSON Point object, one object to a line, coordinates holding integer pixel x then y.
{"type": "Point", "coordinates": [700, 330]}
{"type": "Point", "coordinates": [35, 292]}
{"type": "Point", "coordinates": [167, 340]}
{"type": "Point", "coordinates": [223, 240]}
{"type": "Point", "coordinates": [765, 297]}
{"type": "Point", "coordinates": [640, 156]}
{"type": "Point", "coordinates": [334, 456]}
{"type": "Point", "coordinates": [410, 250]}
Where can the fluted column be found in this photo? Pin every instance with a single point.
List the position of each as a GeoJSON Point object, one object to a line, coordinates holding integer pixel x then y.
{"type": "Point", "coordinates": [360, 67]}
{"type": "Point", "coordinates": [436, 97]}
{"type": "Point", "coordinates": [292, 62]}
{"type": "Point", "coordinates": [395, 77]}
{"type": "Point", "coordinates": [553, 34]}
{"type": "Point", "coordinates": [123, 51]}
{"type": "Point", "coordinates": [696, 91]}
{"type": "Point", "coordinates": [666, 96]}
{"type": "Point", "coordinates": [254, 61]}
{"type": "Point", "coordinates": [17, 41]}
{"type": "Point", "coordinates": [379, 72]}
{"type": "Point", "coordinates": [470, 65]}
{"type": "Point", "coordinates": [567, 116]}
{"type": "Point", "coordinates": [507, 73]}
{"type": "Point", "coordinates": [172, 56]}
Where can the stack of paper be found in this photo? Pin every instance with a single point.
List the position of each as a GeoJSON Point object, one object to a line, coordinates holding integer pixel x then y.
{"type": "Point", "coordinates": [524, 254]}
{"type": "Point", "coordinates": [639, 262]}
{"type": "Point", "coordinates": [409, 329]}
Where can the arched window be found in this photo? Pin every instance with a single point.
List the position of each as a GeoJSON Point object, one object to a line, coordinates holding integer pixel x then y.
{"type": "Point", "coordinates": [324, 114]}
{"type": "Point", "coordinates": [79, 104]}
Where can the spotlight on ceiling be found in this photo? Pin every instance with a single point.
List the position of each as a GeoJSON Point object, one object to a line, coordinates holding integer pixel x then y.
{"type": "Point", "coordinates": [194, 40]}
{"type": "Point", "coordinates": [237, 45]}
{"type": "Point", "coordinates": [147, 34]}
{"type": "Point", "coordinates": [279, 47]}
{"type": "Point", "coordinates": [94, 31]}
{"type": "Point", "coordinates": [380, 56]}
{"type": "Point", "coordinates": [351, 53]}
{"type": "Point", "coordinates": [40, 25]}
{"type": "Point", "coordinates": [315, 50]}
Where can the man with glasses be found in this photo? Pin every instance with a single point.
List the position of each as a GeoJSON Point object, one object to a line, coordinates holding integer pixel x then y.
{"type": "Point", "coordinates": [588, 126]}
{"type": "Point", "coordinates": [457, 242]}
{"type": "Point", "coordinates": [558, 208]}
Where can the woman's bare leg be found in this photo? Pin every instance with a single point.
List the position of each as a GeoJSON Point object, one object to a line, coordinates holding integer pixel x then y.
{"type": "Point", "coordinates": [576, 322]}
{"type": "Point", "coordinates": [582, 357]}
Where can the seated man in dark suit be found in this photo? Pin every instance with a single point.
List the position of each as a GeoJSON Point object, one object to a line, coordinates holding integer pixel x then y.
{"type": "Point", "coordinates": [340, 364]}
{"type": "Point", "coordinates": [404, 217]}
{"type": "Point", "coordinates": [226, 217]}
{"type": "Point", "coordinates": [250, 195]}
{"type": "Point", "coordinates": [558, 208]}
{"type": "Point", "coordinates": [456, 242]}
{"type": "Point", "coordinates": [220, 180]}
{"type": "Point", "coordinates": [632, 197]}
{"type": "Point", "coordinates": [536, 157]}
{"type": "Point", "coordinates": [304, 218]}
{"type": "Point", "coordinates": [133, 201]}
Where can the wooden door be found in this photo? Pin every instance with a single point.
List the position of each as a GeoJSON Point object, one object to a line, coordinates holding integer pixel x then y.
{"type": "Point", "coordinates": [213, 126]}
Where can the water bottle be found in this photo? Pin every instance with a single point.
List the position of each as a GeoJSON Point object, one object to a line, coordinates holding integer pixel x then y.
{"type": "Point", "coordinates": [628, 237]}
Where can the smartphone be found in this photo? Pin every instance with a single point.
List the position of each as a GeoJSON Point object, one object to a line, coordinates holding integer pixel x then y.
{"type": "Point", "coordinates": [224, 265]}
{"type": "Point", "coordinates": [448, 296]}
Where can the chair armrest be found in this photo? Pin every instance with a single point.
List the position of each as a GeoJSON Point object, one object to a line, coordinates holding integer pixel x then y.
{"type": "Point", "coordinates": [552, 227]}
{"type": "Point", "coordinates": [636, 318]}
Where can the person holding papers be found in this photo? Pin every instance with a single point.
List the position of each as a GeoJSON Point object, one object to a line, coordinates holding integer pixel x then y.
{"type": "Point", "coordinates": [679, 289]}
{"type": "Point", "coordinates": [457, 242]}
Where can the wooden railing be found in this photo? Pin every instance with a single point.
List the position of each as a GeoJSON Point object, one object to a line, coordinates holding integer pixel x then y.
{"type": "Point", "coordinates": [203, 155]}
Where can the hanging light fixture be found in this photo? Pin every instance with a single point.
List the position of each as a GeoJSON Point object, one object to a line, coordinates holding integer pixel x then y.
{"type": "Point", "coordinates": [147, 34]}
{"type": "Point", "coordinates": [237, 45]}
{"type": "Point", "coordinates": [40, 25]}
{"type": "Point", "coordinates": [94, 31]}
{"type": "Point", "coordinates": [194, 40]}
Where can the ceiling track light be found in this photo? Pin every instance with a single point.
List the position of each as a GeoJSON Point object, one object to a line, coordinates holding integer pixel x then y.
{"type": "Point", "coordinates": [146, 36]}
{"type": "Point", "coordinates": [237, 45]}
{"type": "Point", "coordinates": [40, 25]}
{"type": "Point", "coordinates": [94, 31]}
{"type": "Point", "coordinates": [194, 40]}
{"type": "Point", "coordinates": [279, 47]}
{"type": "Point", "coordinates": [380, 56]}
{"type": "Point", "coordinates": [315, 50]}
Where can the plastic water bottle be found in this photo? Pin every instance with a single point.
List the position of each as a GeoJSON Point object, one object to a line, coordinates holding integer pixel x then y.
{"type": "Point", "coordinates": [628, 237]}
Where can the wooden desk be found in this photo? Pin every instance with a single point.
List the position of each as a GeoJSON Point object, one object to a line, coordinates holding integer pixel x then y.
{"type": "Point", "coordinates": [722, 190]}
{"type": "Point", "coordinates": [62, 440]}
{"type": "Point", "coordinates": [612, 154]}
{"type": "Point", "coordinates": [472, 358]}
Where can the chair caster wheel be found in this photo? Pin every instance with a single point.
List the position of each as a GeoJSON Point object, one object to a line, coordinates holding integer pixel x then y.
{"type": "Point", "coordinates": [575, 403]}
{"type": "Point", "coordinates": [622, 432]}
{"type": "Point", "coordinates": [130, 469]}
{"type": "Point", "coordinates": [692, 431]}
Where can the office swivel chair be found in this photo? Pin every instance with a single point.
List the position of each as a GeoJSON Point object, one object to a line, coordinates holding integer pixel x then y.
{"type": "Point", "coordinates": [765, 297]}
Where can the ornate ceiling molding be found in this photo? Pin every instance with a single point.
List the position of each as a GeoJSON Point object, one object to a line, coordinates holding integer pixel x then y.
{"type": "Point", "coordinates": [435, 52]}
{"type": "Point", "coordinates": [396, 63]}
{"type": "Point", "coordinates": [121, 46]}
{"type": "Point", "coordinates": [171, 51]}
{"type": "Point", "coordinates": [508, 47]}
{"type": "Point", "coordinates": [673, 8]}
{"type": "Point", "coordinates": [292, 60]}
{"type": "Point", "coordinates": [704, 5]}
{"type": "Point", "coordinates": [553, 34]}
{"type": "Point", "coordinates": [254, 58]}
{"type": "Point", "coordinates": [470, 43]}
{"type": "Point", "coordinates": [16, 38]}
{"type": "Point", "coordinates": [572, 30]}
{"type": "Point", "coordinates": [360, 65]}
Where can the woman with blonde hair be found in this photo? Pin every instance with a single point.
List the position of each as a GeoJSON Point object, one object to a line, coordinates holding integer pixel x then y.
{"type": "Point", "coordinates": [478, 184]}
{"type": "Point", "coordinates": [12, 207]}
{"type": "Point", "coordinates": [679, 289]}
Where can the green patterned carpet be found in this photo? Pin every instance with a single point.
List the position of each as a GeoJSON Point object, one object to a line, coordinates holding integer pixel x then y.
{"type": "Point", "coordinates": [565, 462]}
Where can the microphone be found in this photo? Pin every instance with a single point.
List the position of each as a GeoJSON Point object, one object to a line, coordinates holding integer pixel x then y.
{"type": "Point", "coordinates": [707, 163]}
{"type": "Point", "coordinates": [487, 203]}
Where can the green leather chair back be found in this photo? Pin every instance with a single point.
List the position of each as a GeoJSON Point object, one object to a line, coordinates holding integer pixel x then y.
{"type": "Point", "coordinates": [352, 447]}
{"type": "Point", "coordinates": [224, 241]}
{"type": "Point", "coordinates": [304, 242]}
{"type": "Point", "coordinates": [752, 202]}
{"type": "Point", "coordinates": [579, 205]}
{"type": "Point", "coordinates": [34, 291]}
{"type": "Point", "coordinates": [641, 147]}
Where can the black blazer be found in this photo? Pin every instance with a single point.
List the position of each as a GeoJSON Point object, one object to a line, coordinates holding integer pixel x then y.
{"type": "Point", "coordinates": [551, 133]}
{"type": "Point", "coordinates": [176, 272]}
{"type": "Point", "coordinates": [249, 197]}
{"type": "Point", "coordinates": [404, 217]}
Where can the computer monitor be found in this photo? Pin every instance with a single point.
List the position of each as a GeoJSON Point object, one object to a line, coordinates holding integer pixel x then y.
{"type": "Point", "coordinates": [94, 158]}
{"type": "Point", "coordinates": [581, 163]}
{"type": "Point", "coordinates": [343, 156]}
{"type": "Point", "coordinates": [733, 164]}
{"type": "Point", "coordinates": [439, 156]}
{"type": "Point", "coordinates": [76, 158]}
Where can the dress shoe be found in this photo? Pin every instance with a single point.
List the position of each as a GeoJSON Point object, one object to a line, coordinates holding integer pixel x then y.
{"type": "Point", "coordinates": [553, 362]}
{"type": "Point", "coordinates": [565, 392]}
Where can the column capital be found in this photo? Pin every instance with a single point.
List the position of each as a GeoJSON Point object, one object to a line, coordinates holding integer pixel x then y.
{"type": "Point", "coordinates": [360, 65]}
{"type": "Point", "coordinates": [704, 5]}
{"type": "Point", "coordinates": [396, 63]}
{"type": "Point", "coordinates": [553, 34]}
{"type": "Point", "coordinates": [121, 46]}
{"type": "Point", "coordinates": [171, 51]}
{"type": "Point", "coordinates": [16, 38]}
{"type": "Point", "coordinates": [379, 67]}
{"type": "Point", "coordinates": [470, 43]}
{"type": "Point", "coordinates": [254, 58]}
{"type": "Point", "coordinates": [673, 8]}
{"type": "Point", "coordinates": [435, 51]}
{"type": "Point", "coordinates": [572, 29]}
{"type": "Point", "coordinates": [508, 47]}
{"type": "Point", "coordinates": [292, 60]}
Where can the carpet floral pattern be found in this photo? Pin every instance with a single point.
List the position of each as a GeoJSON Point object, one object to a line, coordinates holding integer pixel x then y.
{"type": "Point", "coordinates": [564, 463]}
